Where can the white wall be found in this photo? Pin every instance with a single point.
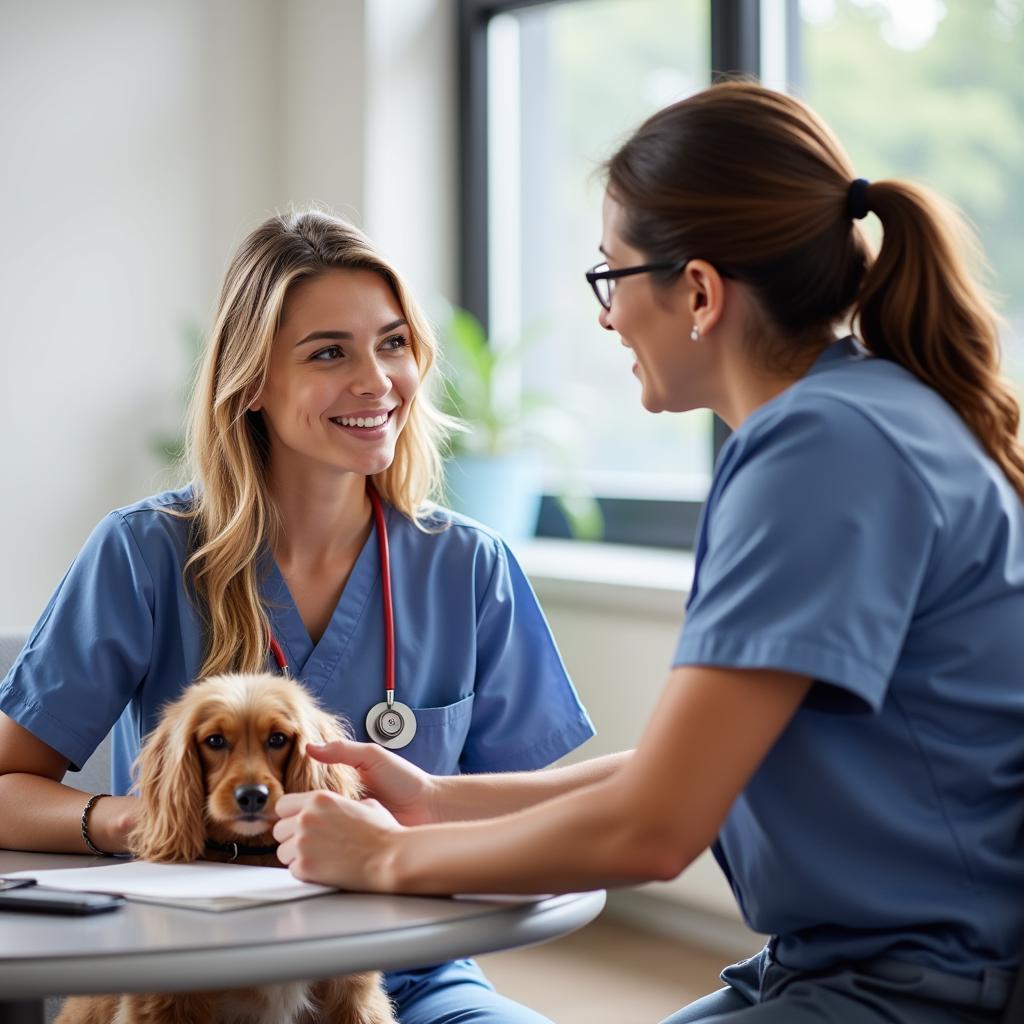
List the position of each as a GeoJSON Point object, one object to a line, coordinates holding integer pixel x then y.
{"type": "Point", "coordinates": [616, 614]}
{"type": "Point", "coordinates": [141, 142]}
{"type": "Point", "coordinates": [411, 160]}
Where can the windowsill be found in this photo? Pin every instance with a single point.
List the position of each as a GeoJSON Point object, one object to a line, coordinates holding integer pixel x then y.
{"type": "Point", "coordinates": [609, 576]}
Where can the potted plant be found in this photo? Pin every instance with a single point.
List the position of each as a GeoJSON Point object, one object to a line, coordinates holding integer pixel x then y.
{"type": "Point", "coordinates": [495, 468]}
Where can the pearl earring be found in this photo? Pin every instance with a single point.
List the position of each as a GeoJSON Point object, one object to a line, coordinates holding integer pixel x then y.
{"type": "Point", "coordinates": [695, 333]}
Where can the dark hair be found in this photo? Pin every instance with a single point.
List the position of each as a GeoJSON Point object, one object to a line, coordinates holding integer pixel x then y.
{"type": "Point", "coordinates": [756, 183]}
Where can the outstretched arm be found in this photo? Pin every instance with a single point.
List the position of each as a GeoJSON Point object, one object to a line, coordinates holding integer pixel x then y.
{"type": "Point", "coordinates": [647, 820]}
{"type": "Point", "coordinates": [416, 798]}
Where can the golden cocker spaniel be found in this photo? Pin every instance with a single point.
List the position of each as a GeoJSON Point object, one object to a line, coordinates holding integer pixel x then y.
{"type": "Point", "coordinates": [209, 777]}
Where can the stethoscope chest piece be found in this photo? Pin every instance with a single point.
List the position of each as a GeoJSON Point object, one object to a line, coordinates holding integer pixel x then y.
{"type": "Point", "coordinates": [391, 724]}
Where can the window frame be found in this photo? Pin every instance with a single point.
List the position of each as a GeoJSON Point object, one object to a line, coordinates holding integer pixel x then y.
{"type": "Point", "coordinates": [735, 49]}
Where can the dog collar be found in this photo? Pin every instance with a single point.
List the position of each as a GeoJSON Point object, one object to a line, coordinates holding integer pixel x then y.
{"type": "Point", "coordinates": [240, 849]}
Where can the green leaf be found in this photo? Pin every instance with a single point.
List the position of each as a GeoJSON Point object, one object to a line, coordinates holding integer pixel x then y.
{"type": "Point", "coordinates": [501, 420]}
{"type": "Point", "coordinates": [583, 515]}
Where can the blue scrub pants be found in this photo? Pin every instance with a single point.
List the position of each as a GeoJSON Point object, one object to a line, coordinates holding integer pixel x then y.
{"type": "Point", "coordinates": [453, 993]}
{"type": "Point", "coordinates": [760, 991]}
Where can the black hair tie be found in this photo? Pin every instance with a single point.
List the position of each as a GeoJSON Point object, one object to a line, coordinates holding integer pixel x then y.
{"type": "Point", "coordinates": [857, 206]}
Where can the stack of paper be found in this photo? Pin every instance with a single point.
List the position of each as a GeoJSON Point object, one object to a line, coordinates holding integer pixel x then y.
{"type": "Point", "coordinates": [201, 886]}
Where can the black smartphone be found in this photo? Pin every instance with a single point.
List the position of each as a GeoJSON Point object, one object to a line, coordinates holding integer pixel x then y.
{"type": "Point", "coordinates": [37, 899]}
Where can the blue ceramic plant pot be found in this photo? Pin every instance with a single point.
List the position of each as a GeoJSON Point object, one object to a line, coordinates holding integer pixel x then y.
{"type": "Point", "coordinates": [500, 491]}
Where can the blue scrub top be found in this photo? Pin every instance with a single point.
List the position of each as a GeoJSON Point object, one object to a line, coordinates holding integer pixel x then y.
{"type": "Point", "coordinates": [475, 658]}
{"type": "Point", "coordinates": [857, 533]}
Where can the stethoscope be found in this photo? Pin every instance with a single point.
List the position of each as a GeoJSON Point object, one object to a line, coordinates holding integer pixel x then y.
{"type": "Point", "coordinates": [389, 723]}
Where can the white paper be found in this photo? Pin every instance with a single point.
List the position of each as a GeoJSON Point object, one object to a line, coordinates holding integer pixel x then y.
{"type": "Point", "coordinates": [203, 885]}
{"type": "Point", "coordinates": [499, 897]}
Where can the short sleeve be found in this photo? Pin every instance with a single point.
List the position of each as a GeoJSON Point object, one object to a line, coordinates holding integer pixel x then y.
{"type": "Point", "coordinates": [526, 713]}
{"type": "Point", "coordinates": [90, 648]}
{"type": "Point", "coordinates": [818, 537]}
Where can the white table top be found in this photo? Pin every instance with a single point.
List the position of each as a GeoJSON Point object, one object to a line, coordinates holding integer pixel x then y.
{"type": "Point", "coordinates": [145, 947]}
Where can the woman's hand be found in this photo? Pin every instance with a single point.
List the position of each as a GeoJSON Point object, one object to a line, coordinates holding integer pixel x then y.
{"type": "Point", "coordinates": [331, 840]}
{"type": "Point", "coordinates": [408, 792]}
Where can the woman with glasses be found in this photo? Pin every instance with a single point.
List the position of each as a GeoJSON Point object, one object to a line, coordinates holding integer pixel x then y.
{"type": "Point", "coordinates": [844, 718]}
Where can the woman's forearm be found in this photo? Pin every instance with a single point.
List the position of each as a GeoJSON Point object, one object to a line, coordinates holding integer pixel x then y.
{"type": "Point", "coordinates": [38, 813]}
{"type": "Point", "coordinates": [470, 797]}
{"type": "Point", "coordinates": [590, 838]}
{"type": "Point", "coordinates": [649, 817]}
{"type": "Point", "coordinates": [646, 817]}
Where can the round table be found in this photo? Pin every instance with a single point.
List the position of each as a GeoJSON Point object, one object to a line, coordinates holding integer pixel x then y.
{"type": "Point", "coordinates": [146, 947]}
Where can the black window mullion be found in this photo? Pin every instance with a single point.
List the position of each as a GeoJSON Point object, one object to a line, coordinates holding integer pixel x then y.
{"type": "Point", "coordinates": [735, 50]}
{"type": "Point", "coordinates": [473, 194]}
{"type": "Point", "coordinates": [735, 38]}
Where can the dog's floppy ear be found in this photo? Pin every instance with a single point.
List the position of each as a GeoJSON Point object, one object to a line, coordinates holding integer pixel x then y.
{"type": "Point", "coordinates": [172, 790]}
{"type": "Point", "coordinates": [317, 726]}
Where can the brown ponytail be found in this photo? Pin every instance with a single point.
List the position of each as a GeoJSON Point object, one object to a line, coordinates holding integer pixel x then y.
{"type": "Point", "coordinates": [754, 182]}
{"type": "Point", "coordinates": [920, 306]}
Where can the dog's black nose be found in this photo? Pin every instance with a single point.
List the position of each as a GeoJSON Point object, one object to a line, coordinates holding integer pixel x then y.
{"type": "Point", "coordinates": [251, 798]}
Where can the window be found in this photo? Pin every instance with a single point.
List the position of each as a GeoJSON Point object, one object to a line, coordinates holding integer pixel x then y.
{"type": "Point", "coordinates": [948, 78]}
{"type": "Point", "coordinates": [568, 82]}
{"type": "Point", "coordinates": [565, 84]}
{"type": "Point", "coordinates": [930, 90]}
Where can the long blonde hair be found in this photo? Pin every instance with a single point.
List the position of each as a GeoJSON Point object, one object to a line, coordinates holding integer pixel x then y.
{"type": "Point", "coordinates": [754, 182]}
{"type": "Point", "coordinates": [233, 515]}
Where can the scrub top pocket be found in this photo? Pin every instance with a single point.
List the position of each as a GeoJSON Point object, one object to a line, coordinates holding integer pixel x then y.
{"type": "Point", "coordinates": [440, 736]}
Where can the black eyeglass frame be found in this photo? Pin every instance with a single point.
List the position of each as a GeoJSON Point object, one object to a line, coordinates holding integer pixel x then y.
{"type": "Point", "coordinates": [594, 275]}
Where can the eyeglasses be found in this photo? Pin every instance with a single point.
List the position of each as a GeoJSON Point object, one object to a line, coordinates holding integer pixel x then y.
{"type": "Point", "coordinates": [602, 278]}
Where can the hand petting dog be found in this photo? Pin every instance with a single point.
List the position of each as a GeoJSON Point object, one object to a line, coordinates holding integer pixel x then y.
{"type": "Point", "coordinates": [334, 841]}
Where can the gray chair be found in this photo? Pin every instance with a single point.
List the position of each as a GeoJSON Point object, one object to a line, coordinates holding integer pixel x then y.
{"type": "Point", "coordinates": [95, 774]}
{"type": "Point", "coordinates": [93, 778]}
{"type": "Point", "coordinates": [10, 645]}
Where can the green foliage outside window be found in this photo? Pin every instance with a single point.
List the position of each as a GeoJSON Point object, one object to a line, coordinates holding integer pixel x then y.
{"type": "Point", "coordinates": [940, 101]}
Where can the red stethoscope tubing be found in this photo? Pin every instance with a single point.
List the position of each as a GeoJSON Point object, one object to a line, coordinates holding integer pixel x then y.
{"type": "Point", "coordinates": [385, 581]}
{"type": "Point", "coordinates": [389, 611]}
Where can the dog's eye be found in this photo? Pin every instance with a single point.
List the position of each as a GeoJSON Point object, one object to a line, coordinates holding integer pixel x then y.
{"type": "Point", "coordinates": [216, 741]}
{"type": "Point", "coordinates": [277, 740]}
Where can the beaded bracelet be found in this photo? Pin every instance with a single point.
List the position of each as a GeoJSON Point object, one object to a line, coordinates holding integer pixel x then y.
{"type": "Point", "coordinates": [85, 824]}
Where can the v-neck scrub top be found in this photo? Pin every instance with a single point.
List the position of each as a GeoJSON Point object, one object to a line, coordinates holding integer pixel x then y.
{"type": "Point", "coordinates": [474, 656]}
{"type": "Point", "coordinates": [857, 533]}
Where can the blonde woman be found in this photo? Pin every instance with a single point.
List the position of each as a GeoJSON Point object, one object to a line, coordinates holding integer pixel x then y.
{"type": "Point", "coordinates": [311, 416]}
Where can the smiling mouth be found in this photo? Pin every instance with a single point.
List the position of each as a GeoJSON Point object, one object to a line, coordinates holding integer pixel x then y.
{"type": "Point", "coordinates": [363, 422]}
